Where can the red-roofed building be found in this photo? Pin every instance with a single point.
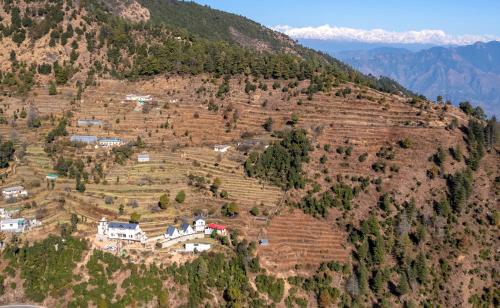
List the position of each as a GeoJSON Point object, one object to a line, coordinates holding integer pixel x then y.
{"type": "Point", "coordinates": [220, 229]}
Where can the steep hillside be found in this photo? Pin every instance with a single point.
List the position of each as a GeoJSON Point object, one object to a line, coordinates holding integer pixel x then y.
{"type": "Point", "coordinates": [366, 196]}
{"type": "Point", "coordinates": [375, 160]}
{"type": "Point", "coordinates": [215, 25]}
{"type": "Point", "coordinates": [456, 73]}
{"type": "Point", "coordinates": [66, 41]}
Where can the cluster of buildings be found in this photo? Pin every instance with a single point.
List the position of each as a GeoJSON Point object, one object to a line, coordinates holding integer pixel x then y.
{"type": "Point", "coordinates": [132, 232]}
{"type": "Point", "coordinates": [15, 225]}
{"type": "Point", "coordinates": [199, 226]}
{"type": "Point", "coordinates": [14, 192]}
{"type": "Point", "coordinates": [102, 142]}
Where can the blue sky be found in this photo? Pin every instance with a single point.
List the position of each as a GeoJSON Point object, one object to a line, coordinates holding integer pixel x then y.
{"type": "Point", "coordinates": [455, 18]}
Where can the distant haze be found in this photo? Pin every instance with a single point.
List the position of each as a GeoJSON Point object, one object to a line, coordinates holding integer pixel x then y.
{"type": "Point", "coordinates": [457, 73]}
{"type": "Point", "coordinates": [333, 47]}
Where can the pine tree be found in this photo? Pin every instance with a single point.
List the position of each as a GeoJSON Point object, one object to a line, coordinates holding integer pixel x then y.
{"type": "Point", "coordinates": [363, 251]}
{"type": "Point", "coordinates": [378, 284]}
{"type": "Point", "coordinates": [52, 88]}
{"type": "Point", "coordinates": [362, 278]}
{"type": "Point", "coordinates": [403, 286]}
{"type": "Point", "coordinates": [379, 250]}
{"type": "Point", "coordinates": [421, 268]}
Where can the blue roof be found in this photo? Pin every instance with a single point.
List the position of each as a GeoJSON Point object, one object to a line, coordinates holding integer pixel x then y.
{"type": "Point", "coordinates": [185, 226]}
{"type": "Point", "coordinates": [122, 225]}
{"type": "Point", "coordinates": [113, 139]}
{"type": "Point", "coordinates": [264, 241]}
{"type": "Point", "coordinates": [82, 138]}
{"type": "Point", "coordinates": [171, 230]}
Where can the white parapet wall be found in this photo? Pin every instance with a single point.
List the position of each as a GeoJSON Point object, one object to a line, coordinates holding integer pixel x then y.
{"type": "Point", "coordinates": [181, 239]}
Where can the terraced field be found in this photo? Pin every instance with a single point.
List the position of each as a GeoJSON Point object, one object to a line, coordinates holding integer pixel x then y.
{"type": "Point", "coordinates": [298, 239]}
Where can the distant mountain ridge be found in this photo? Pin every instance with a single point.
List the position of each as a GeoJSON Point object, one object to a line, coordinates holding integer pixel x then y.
{"type": "Point", "coordinates": [461, 73]}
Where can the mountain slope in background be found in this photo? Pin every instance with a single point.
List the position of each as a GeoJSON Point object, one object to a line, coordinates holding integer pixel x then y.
{"type": "Point", "coordinates": [457, 73]}
{"type": "Point", "coordinates": [77, 41]}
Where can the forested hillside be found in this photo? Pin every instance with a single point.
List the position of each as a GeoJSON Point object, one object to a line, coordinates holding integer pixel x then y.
{"type": "Point", "coordinates": [66, 41]}
{"type": "Point", "coordinates": [336, 189]}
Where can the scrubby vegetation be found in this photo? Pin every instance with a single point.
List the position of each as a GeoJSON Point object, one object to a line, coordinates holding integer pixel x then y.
{"type": "Point", "coordinates": [47, 266]}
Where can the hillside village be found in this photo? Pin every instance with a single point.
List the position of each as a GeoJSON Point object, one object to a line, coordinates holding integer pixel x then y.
{"type": "Point", "coordinates": [276, 177]}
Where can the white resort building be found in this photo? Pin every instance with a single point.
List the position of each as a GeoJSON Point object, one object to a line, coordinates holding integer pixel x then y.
{"type": "Point", "coordinates": [120, 231]}
{"type": "Point", "coordinates": [14, 192]}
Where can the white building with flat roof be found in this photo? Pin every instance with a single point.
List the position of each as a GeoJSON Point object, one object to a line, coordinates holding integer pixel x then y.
{"type": "Point", "coordinates": [221, 148]}
{"type": "Point", "coordinates": [120, 231]}
{"type": "Point", "coordinates": [143, 157]}
{"type": "Point", "coordinates": [17, 225]}
{"type": "Point", "coordinates": [196, 247]}
{"type": "Point", "coordinates": [92, 122]}
{"type": "Point", "coordinates": [14, 192]}
{"type": "Point", "coordinates": [135, 97]}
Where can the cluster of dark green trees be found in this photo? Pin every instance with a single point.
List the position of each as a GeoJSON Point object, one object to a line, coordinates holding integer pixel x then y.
{"type": "Point", "coordinates": [340, 196]}
{"type": "Point", "coordinates": [281, 163]}
{"type": "Point", "coordinates": [48, 270]}
{"type": "Point", "coordinates": [6, 153]}
{"type": "Point", "coordinates": [320, 284]}
{"type": "Point", "coordinates": [399, 237]}
{"type": "Point", "coordinates": [47, 266]}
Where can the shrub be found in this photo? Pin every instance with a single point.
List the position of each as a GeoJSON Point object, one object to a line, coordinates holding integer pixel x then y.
{"type": "Point", "coordinates": [181, 196]}
{"type": "Point", "coordinates": [135, 217]}
{"type": "Point", "coordinates": [405, 143]}
{"type": "Point", "coordinates": [164, 201]}
{"type": "Point", "coordinates": [52, 88]}
{"type": "Point", "coordinates": [254, 211]}
{"type": "Point", "coordinates": [268, 125]}
{"type": "Point", "coordinates": [362, 157]}
{"type": "Point", "coordinates": [230, 209]}
{"type": "Point", "coordinates": [224, 194]}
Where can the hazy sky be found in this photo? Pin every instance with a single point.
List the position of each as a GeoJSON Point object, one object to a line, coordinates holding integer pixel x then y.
{"type": "Point", "coordinates": [358, 18]}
